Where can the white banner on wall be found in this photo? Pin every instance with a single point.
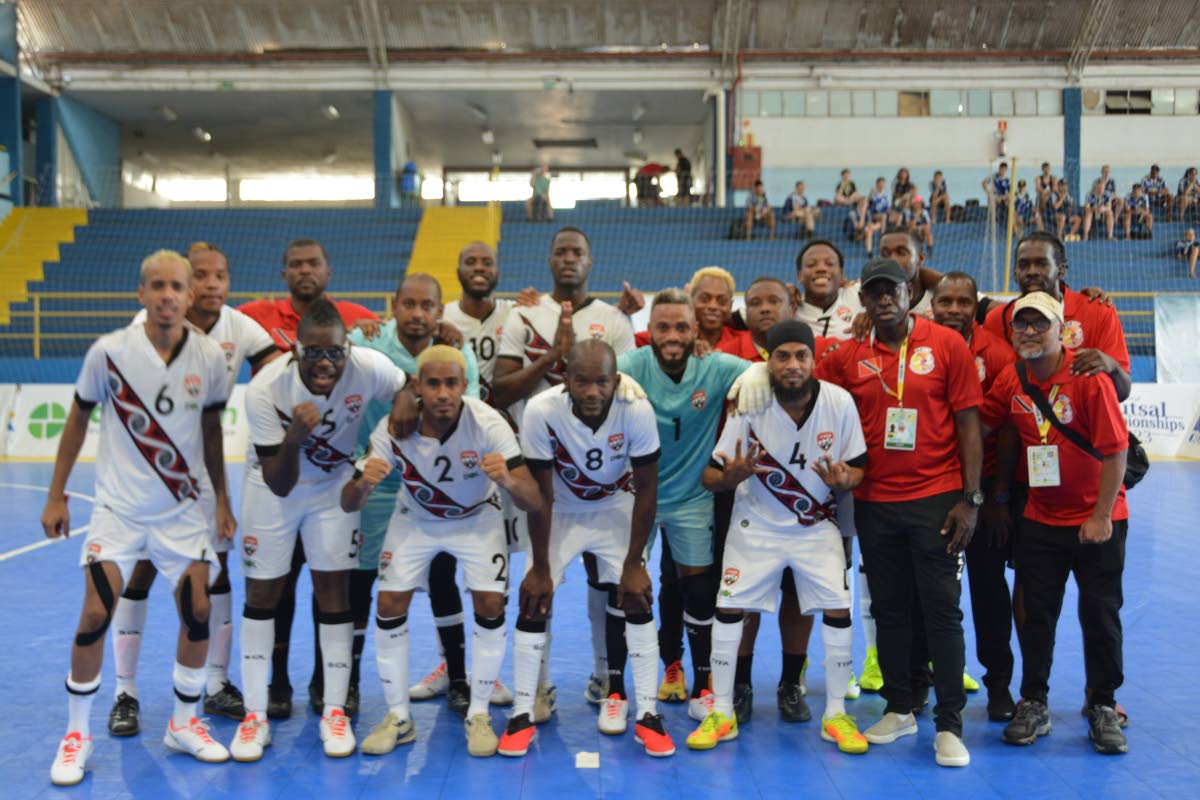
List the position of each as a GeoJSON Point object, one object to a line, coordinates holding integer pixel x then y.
{"type": "Point", "coordinates": [1161, 415]}
{"type": "Point", "coordinates": [8, 393]}
{"type": "Point", "coordinates": [1176, 332]}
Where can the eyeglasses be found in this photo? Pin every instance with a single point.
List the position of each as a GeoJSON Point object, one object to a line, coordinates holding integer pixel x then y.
{"type": "Point", "coordinates": [1040, 325]}
{"type": "Point", "coordinates": [315, 354]}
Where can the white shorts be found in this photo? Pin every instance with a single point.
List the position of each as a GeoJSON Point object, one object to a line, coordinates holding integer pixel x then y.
{"type": "Point", "coordinates": [270, 523]}
{"type": "Point", "coordinates": [604, 534]}
{"type": "Point", "coordinates": [208, 506]}
{"type": "Point", "coordinates": [755, 560]}
{"type": "Point", "coordinates": [411, 544]}
{"type": "Point", "coordinates": [170, 543]}
{"type": "Point", "coordinates": [516, 525]}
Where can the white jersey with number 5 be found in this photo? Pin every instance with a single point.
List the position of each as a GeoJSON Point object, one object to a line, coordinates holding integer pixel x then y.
{"type": "Point", "coordinates": [593, 470]}
{"type": "Point", "coordinates": [327, 453]}
{"type": "Point", "coordinates": [239, 337]}
{"type": "Point", "coordinates": [484, 337]}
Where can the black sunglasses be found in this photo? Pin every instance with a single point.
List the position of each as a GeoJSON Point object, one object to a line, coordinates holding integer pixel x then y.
{"type": "Point", "coordinates": [314, 354]}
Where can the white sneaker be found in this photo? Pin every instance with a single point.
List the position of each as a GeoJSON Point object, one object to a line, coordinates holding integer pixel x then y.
{"type": "Point", "coordinates": [337, 734]}
{"type": "Point", "coordinates": [949, 750]}
{"type": "Point", "coordinates": [435, 684]}
{"type": "Point", "coordinates": [481, 739]}
{"type": "Point", "coordinates": [700, 707]}
{"type": "Point", "coordinates": [544, 704]}
{"type": "Point", "coordinates": [853, 690]}
{"type": "Point", "coordinates": [72, 756]}
{"type": "Point", "coordinates": [596, 691]}
{"type": "Point", "coordinates": [614, 715]}
{"type": "Point", "coordinates": [387, 734]}
{"type": "Point", "coordinates": [501, 695]}
{"type": "Point", "coordinates": [194, 740]}
{"type": "Point", "coordinates": [891, 728]}
{"type": "Point", "coordinates": [252, 737]}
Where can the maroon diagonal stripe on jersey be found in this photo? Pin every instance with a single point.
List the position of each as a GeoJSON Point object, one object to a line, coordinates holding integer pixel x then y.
{"type": "Point", "coordinates": [784, 487]}
{"type": "Point", "coordinates": [317, 449]}
{"type": "Point", "coordinates": [580, 484]}
{"type": "Point", "coordinates": [433, 499]}
{"type": "Point", "coordinates": [537, 347]}
{"type": "Point", "coordinates": [150, 439]}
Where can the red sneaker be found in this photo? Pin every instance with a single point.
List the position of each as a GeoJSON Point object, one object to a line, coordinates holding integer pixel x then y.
{"type": "Point", "coordinates": [517, 737]}
{"type": "Point", "coordinates": [650, 733]}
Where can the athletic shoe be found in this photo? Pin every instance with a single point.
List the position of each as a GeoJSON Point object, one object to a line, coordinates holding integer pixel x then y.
{"type": "Point", "coordinates": [949, 750]}
{"type": "Point", "coordinates": [433, 685]}
{"type": "Point", "coordinates": [1122, 717]}
{"type": "Point", "coordinates": [1104, 729]}
{"type": "Point", "coordinates": [716, 728]}
{"type": "Point", "coordinates": [1031, 720]}
{"type": "Point", "coordinates": [674, 684]}
{"type": "Point", "coordinates": [840, 728]}
{"type": "Point", "coordinates": [853, 690]}
{"type": "Point", "coordinates": [252, 737]}
{"type": "Point", "coordinates": [279, 701]}
{"type": "Point", "coordinates": [316, 696]}
{"type": "Point", "coordinates": [891, 728]}
{"type": "Point", "coordinates": [613, 716]}
{"type": "Point", "coordinates": [743, 701]}
{"type": "Point", "coordinates": [545, 704]}
{"type": "Point", "coordinates": [596, 691]}
{"type": "Point", "coordinates": [1000, 706]}
{"type": "Point", "coordinates": [518, 735]}
{"type": "Point", "coordinates": [804, 678]}
{"type": "Point", "coordinates": [387, 734]}
{"type": "Point", "coordinates": [650, 734]}
{"type": "Point", "coordinates": [481, 739]}
{"type": "Point", "coordinates": [969, 683]}
{"type": "Point", "coordinates": [69, 761]}
{"type": "Point", "coordinates": [194, 740]}
{"type": "Point", "coordinates": [337, 734]}
{"type": "Point", "coordinates": [225, 703]}
{"type": "Point", "coordinates": [700, 707]}
{"type": "Point", "coordinates": [458, 697]}
{"type": "Point", "coordinates": [871, 679]}
{"type": "Point", "coordinates": [352, 700]}
{"type": "Point", "coordinates": [501, 695]}
{"type": "Point", "coordinates": [792, 707]}
{"type": "Point", "coordinates": [123, 719]}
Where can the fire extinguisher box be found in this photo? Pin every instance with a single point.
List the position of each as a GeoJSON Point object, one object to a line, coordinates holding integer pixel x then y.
{"type": "Point", "coordinates": [747, 166]}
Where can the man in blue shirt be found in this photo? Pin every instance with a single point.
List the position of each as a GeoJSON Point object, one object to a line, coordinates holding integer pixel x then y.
{"type": "Point", "coordinates": [1157, 190]}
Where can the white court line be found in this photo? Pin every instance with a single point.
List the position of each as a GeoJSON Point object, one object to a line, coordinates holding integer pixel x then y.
{"type": "Point", "coordinates": [27, 548]}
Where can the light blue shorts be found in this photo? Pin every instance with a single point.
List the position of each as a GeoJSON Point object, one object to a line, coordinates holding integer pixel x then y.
{"type": "Point", "coordinates": [689, 531]}
{"type": "Point", "coordinates": [373, 527]}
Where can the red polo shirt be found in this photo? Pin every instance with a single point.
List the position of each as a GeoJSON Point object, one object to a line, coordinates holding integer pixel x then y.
{"type": "Point", "coordinates": [1088, 325]}
{"type": "Point", "coordinates": [740, 344]}
{"type": "Point", "coordinates": [1086, 405]}
{"type": "Point", "coordinates": [940, 379]}
{"type": "Point", "coordinates": [728, 334]}
{"type": "Point", "coordinates": [992, 355]}
{"type": "Point", "coordinates": [279, 315]}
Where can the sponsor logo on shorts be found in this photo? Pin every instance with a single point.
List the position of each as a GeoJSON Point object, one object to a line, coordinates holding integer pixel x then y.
{"type": "Point", "coordinates": [385, 560]}
{"type": "Point", "coordinates": [191, 384]}
{"type": "Point", "coordinates": [699, 398]}
{"type": "Point", "coordinates": [93, 552]}
{"type": "Point", "coordinates": [354, 403]}
{"type": "Point", "coordinates": [249, 545]}
{"type": "Point", "coordinates": [921, 361]}
{"type": "Point", "coordinates": [597, 330]}
{"type": "Point", "coordinates": [825, 440]}
{"type": "Point", "coordinates": [616, 442]}
{"type": "Point", "coordinates": [469, 459]}
{"type": "Point", "coordinates": [731, 576]}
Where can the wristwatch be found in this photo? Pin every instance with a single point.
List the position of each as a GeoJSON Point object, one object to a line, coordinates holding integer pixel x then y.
{"type": "Point", "coordinates": [974, 499]}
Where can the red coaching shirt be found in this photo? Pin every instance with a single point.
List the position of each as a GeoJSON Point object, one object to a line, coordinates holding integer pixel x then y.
{"type": "Point", "coordinates": [279, 315]}
{"type": "Point", "coordinates": [1086, 405]}
{"type": "Point", "coordinates": [1088, 325]}
{"type": "Point", "coordinates": [728, 335]}
{"type": "Point", "coordinates": [741, 344]}
{"type": "Point", "coordinates": [992, 355]}
{"type": "Point", "coordinates": [940, 379]}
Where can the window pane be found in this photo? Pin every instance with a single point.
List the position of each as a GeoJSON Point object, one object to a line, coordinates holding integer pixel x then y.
{"type": "Point", "coordinates": [1139, 102]}
{"type": "Point", "coordinates": [816, 104]}
{"type": "Point", "coordinates": [1116, 102]}
{"type": "Point", "coordinates": [914, 104]}
{"type": "Point", "coordinates": [1049, 102]}
{"type": "Point", "coordinates": [749, 104]}
{"type": "Point", "coordinates": [793, 104]}
{"type": "Point", "coordinates": [1185, 100]}
{"type": "Point", "coordinates": [864, 104]}
{"type": "Point", "coordinates": [770, 104]}
{"type": "Point", "coordinates": [886, 104]}
{"type": "Point", "coordinates": [1162, 101]}
{"type": "Point", "coordinates": [1002, 104]}
{"type": "Point", "coordinates": [839, 103]}
{"type": "Point", "coordinates": [1025, 103]}
{"type": "Point", "coordinates": [945, 103]}
{"type": "Point", "coordinates": [979, 103]}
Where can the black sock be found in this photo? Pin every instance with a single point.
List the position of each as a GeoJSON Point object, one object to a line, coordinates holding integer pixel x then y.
{"type": "Point", "coordinates": [446, 601]}
{"type": "Point", "coordinates": [285, 613]}
{"type": "Point", "coordinates": [670, 610]}
{"type": "Point", "coordinates": [793, 664]}
{"type": "Point", "coordinates": [700, 605]}
{"type": "Point", "coordinates": [318, 674]}
{"type": "Point", "coordinates": [745, 665]}
{"type": "Point", "coordinates": [617, 652]}
{"type": "Point", "coordinates": [454, 643]}
{"type": "Point", "coordinates": [361, 581]}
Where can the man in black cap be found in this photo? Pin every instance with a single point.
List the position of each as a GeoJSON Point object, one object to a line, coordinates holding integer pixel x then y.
{"type": "Point", "coordinates": [918, 394]}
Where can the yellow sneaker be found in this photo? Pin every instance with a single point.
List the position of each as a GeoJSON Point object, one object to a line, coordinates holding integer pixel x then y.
{"type": "Point", "coordinates": [871, 679]}
{"type": "Point", "coordinates": [674, 684]}
{"type": "Point", "coordinates": [969, 683]}
{"type": "Point", "coordinates": [840, 728]}
{"type": "Point", "coordinates": [716, 728]}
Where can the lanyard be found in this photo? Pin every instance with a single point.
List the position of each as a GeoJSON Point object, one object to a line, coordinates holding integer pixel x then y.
{"type": "Point", "coordinates": [901, 368]}
{"type": "Point", "coordinates": [1043, 424]}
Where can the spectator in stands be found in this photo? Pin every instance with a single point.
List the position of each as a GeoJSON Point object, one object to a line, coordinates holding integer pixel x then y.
{"type": "Point", "coordinates": [1044, 186]}
{"type": "Point", "coordinates": [683, 173]}
{"type": "Point", "coordinates": [797, 209]}
{"type": "Point", "coordinates": [1157, 191]}
{"type": "Point", "coordinates": [939, 197]}
{"type": "Point", "coordinates": [1188, 192]}
{"type": "Point", "coordinates": [1098, 206]}
{"type": "Point", "coordinates": [1060, 211]}
{"type": "Point", "coordinates": [1024, 207]}
{"type": "Point", "coordinates": [410, 186]}
{"type": "Point", "coordinates": [920, 223]}
{"type": "Point", "coordinates": [537, 207]}
{"type": "Point", "coordinates": [1110, 191]}
{"type": "Point", "coordinates": [903, 190]}
{"type": "Point", "coordinates": [1137, 217]}
{"type": "Point", "coordinates": [1188, 248]}
{"type": "Point", "coordinates": [999, 184]}
{"type": "Point", "coordinates": [847, 194]}
{"type": "Point", "coordinates": [758, 209]}
{"type": "Point", "coordinates": [878, 212]}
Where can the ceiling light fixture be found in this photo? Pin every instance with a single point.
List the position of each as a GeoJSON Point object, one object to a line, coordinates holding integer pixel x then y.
{"type": "Point", "coordinates": [637, 135]}
{"type": "Point", "coordinates": [168, 113]}
{"type": "Point", "coordinates": [201, 134]}
{"type": "Point", "coordinates": [488, 136]}
{"type": "Point", "coordinates": [639, 111]}
{"type": "Point", "coordinates": [480, 113]}
{"type": "Point", "coordinates": [330, 112]}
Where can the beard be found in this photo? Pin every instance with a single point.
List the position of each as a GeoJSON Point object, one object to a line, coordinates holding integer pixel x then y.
{"type": "Point", "coordinates": [672, 365]}
{"type": "Point", "coordinates": [787, 394]}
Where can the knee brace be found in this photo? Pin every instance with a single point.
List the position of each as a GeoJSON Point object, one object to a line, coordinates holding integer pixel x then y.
{"type": "Point", "coordinates": [197, 630]}
{"type": "Point", "coordinates": [105, 593]}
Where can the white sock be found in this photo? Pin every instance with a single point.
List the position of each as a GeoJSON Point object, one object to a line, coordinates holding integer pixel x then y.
{"type": "Point", "coordinates": [726, 636]}
{"type": "Point", "coordinates": [487, 653]}
{"type": "Point", "coordinates": [258, 643]}
{"type": "Point", "coordinates": [220, 640]}
{"type": "Point", "coordinates": [189, 683]}
{"type": "Point", "coordinates": [597, 616]}
{"type": "Point", "coordinates": [864, 610]}
{"type": "Point", "coordinates": [839, 642]}
{"type": "Point", "coordinates": [80, 697]}
{"type": "Point", "coordinates": [528, 647]}
{"type": "Point", "coordinates": [129, 620]}
{"type": "Point", "coordinates": [642, 639]}
{"type": "Point", "coordinates": [391, 657]}
{"type": "Point", "coordinates": [337, 645]}
{"type": "Point", "coordinates": [545, 680]}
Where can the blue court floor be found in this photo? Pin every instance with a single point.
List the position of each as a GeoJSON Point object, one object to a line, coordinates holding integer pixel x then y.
{"type": "Point", "coordinates": [40, 604]}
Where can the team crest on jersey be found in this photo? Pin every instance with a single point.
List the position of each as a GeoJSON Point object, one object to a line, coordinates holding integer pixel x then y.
{"type": "Point", "coordinates": [354, 403]}
{"type": "Point", "coordinates": [699, 398]}
{"type": "Point", "coordinates": [385, 560]}
{"type": "Point", "coordinates": [230, 351]}
{"type": "Point", "coordinates": [1021, 404]}
{"type": "Point", "coordinates": [981, 368]}
{"type": "Point", "coordinates": [825, 440]}
{"type": "Point", "coordinates": [191, 384]}
{"type": "Point", "coordinates": [921, 361]}
{"type": "Point", "coordinates": [93, 552]}
{"type": "Point", "coordinates": [616, 442]}
{"type": "Point", "coordinates": [469, 459]}
{"type": "Point", "coordinates": [249, 545]}
{"type": "Point", "coordinates": [869, 367]}
{"type": "Point", "coordinates": [1062, 409]}
{"type": "Point", "coordinates": [845, 314]}
{"type": "Point", "coordinates": [1073, 333]}
{"type": "Point", "coordinates": [731, 576]}
{"type": "Point", "coordinates": [596, 330]}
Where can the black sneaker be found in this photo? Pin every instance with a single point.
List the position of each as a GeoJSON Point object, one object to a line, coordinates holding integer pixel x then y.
{"type": "Point", "coordinates": [123, 719]}
{"type": "Point", "coordinates": [920, 698]}
{"type": "Point", "coordinates": [1000, 706]}
{"type": "Point", "coordinates": [1031, 720]}
{"type": "Point", "coordinates": [351, 707]}
{"type": "Point", "coordinates": [226, 703]}
{"type": "Point", "coordinates": [792, 707]}
{"type": "Point", "coordinates": [458, 697]}
{"type": "Point", "coordinates": [279, 701]}
{"type": "Point", "coordinates": [316, 696]}
{"type": "Point", "coordinates": [1104, 729]}
{"type": "Point", "coordinates": [743, 702]}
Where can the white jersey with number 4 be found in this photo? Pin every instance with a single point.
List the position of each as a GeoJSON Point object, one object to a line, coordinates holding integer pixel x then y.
{"type": "Point", "coordinates": [790, 493]}
{"type": "Point", "coordinates": [593, 470]}
{"type": "Point", "coordinates": [327, 453]}
{"type": "Point", "coordinates": [151, 453]}
{"type": "Point", "coordinates": [443, 478]}
{"type": "Point", "coordinates": [833, 322]}
{"type": "Point", "coordinates": [484, 337]}
{"type": "Point", "coordinates": [239, 337]}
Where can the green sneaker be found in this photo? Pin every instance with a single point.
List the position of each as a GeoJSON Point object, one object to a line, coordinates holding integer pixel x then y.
{"type": "Point", "coordinates": [871, 679]}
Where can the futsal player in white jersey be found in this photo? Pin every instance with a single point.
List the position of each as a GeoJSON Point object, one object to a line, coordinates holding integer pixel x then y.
{"type": "Point", "coordinates": [241, 339]}
{"type": "Point", "coordinates": [452, 468]}
{"type": "Point", "coordinates": [162, 388]}
{"type": "Point", "coordinates": [596, 463]}
{"type": "Point", "coordinates": [786, 462]}
{"type": "Point", "coordinates": [828, 306]}
{"type": "Point", "coordinates": [304, 413]}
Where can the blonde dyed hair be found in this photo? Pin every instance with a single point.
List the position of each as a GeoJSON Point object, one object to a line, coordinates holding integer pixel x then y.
{"type": "Point", "coordinates": [711, 272]}
{"type": "Point", "coordinates": [163, 256]}
{"type": "Point", "coordinates": [441, 354]}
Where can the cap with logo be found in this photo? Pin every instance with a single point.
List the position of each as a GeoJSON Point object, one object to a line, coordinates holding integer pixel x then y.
{"type": "Point", "coordinates": [1042, 303]}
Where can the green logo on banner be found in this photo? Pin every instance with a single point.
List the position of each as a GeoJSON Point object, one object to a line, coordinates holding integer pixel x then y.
{"type": "Point", "coordinates": [47, 421]}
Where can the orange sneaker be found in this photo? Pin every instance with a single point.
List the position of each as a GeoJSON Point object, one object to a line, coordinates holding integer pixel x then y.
{"type": "Point", "coordinates": [650, 733]}
{"type": "Point", "coordinates": [674, 684]}
{"type": "Point", "coordinates": [517, 737]}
